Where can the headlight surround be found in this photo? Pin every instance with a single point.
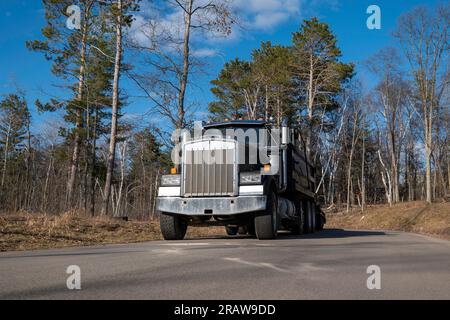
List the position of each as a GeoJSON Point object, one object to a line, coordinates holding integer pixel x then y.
{"type": "Point", "coordinates": [247, 178]}
{"type": "Point", "coordinates": [170, 180]}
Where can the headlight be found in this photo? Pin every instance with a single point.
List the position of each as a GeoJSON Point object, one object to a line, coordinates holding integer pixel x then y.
{"type": "Point", "coordinates": [250, 178]}
{"type": "Point", "coordinates": [170, 180]}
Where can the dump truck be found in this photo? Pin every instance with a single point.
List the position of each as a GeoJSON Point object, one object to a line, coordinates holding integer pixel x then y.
{"type": "Point", "coordinates": [250, 176]}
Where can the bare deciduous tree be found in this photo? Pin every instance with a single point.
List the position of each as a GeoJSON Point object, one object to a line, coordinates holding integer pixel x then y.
{"type": "Point", "coordinates": [170, 58]}
{"type": "Point", "coordinates": [425, 41]}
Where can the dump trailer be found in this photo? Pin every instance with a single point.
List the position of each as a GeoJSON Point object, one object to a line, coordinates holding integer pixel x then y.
{"type": "Point", "coordinates": [250, 176]}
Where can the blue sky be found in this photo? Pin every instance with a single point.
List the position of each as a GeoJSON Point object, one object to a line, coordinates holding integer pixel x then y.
{"type": "Point", "coordinates": [263, 20]}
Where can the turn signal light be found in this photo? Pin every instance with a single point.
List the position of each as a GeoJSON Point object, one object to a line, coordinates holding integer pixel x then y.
{"type": "Point", "coordinates": [173, 170]}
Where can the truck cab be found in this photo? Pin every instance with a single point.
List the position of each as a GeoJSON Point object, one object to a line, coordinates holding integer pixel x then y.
{"type": "Point", "coordinates": [246, 175]}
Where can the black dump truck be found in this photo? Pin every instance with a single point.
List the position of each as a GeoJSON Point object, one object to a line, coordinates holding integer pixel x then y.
{"type": "Point", "coordinates": [248, 175]}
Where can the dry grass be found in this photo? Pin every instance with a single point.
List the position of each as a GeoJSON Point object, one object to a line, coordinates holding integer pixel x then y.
{"type": "Point", "coordinates": [415, 216]}
{"type": "Point", "coordinates": [26, 231]}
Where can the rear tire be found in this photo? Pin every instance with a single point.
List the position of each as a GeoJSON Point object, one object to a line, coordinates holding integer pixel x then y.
{"type": "Point", "coordinates": [172, 227]}
{"type": "Point", "coordinates": [298, 224]}
{"type": "Point", "coordinates": [231, 230]}
{"type": "Point", "coordinates": [308, 217]}
{"type": "Point", "coordinates": [266, 222]}
{"type": "Point", "coordinates": [319, 222]}
{"type": "Point", "coordinates": [313, 216]}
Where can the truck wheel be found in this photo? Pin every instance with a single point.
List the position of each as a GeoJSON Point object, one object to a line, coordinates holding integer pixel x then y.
{"type": "Point", "coordinates": [242, 230]}
{"type": "Point", "coordinates": [231, 231]}
{"type": "Point", "coordinates": [297, 224]}
{"type": "Point", "coordinates": [251, 228]}
{"type": "Point", "coordinates": [266, 222]}
{"type": "Point", "coordinates": [313, 216]}
{"type": "Point", "coordinates": [308, 219]}
{"type": "Point", "coordinates": [319, 222]}
{"type": "Point", "coordinates": [172, 227]}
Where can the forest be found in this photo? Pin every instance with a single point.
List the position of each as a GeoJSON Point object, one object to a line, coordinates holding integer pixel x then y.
{"type": "Point", "coordinates": [380, 143]}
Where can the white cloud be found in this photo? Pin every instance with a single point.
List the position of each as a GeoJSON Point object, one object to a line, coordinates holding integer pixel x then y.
{"type": "Point", "coordinates": [137, 31]}
{"type": "Point", "coordinates": [268, 21]}
{"type": "Point", "coordinates": [266, 15]}
{"type": "Point", "coordinates": [257, 6]}
{"type": "Point", "coordinates": [253, 16]}
{"type": "Point", "coordinates": [150, 25]}
{"type": "Point", "coordinates": [204, 53]}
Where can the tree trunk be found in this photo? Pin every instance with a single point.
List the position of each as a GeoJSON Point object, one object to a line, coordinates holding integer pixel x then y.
{"type": "Point", "coordinates": [79, 114]}
{"type": "Point", "coordinates": [448, 174]}
{"type": "Point", "coordinates": [388, 184]}
{"type": "Point", "coordinates": [266, 111]}
{"type": "Point", "coordinates": [115, 109]}
{"type": "Point", "coordinates": [310, 107]}
{"type": "Point", "coordinates": [394, 170]}
{"type": "Point", "coordinates": [279, 113]}
{"type": "Point", "coordinates": [93, 163]}
{"type": "Point", "coordinates": [5, 158]}
{"type": "Point", "coordinates": [184, 77]}
{"type": "Point", "coordinates": [349, 170]}
{"type": "Point", "coordinates": [363, 183]}
{"type": "Point", "coordinates": [428, 142]}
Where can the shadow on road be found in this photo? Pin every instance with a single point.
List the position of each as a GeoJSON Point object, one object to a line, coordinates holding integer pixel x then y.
{"type": "Point", "coordinates": [332, 233]}
{"type": "Point", "coordinates": [285, 235]}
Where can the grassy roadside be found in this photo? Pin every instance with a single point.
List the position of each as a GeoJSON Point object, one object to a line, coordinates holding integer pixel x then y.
{"type": "Point", "coordinates": [25, 231]}
{"type": "Point", "coordinates": [417, 217]}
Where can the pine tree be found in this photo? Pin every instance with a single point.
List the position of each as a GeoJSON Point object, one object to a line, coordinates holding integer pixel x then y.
{"type": "Point", "coordinates": [99, 76]}
{"type": "Point", "coordinates": [122, 15]}
{"type": "Point", "coordinates": [318, 73]}
{"type": "Point", "coordinates": [229, 90]}
{"type": "Point", "coordinates": [271, 64]}
{"type": "Point", "coordinates": [68, 50]}
{"type": "Point", "coordinates": [14, 130]}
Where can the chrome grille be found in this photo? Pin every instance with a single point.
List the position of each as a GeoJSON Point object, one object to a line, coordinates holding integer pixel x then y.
{"type": "Point", "coordinates": [202, 176]}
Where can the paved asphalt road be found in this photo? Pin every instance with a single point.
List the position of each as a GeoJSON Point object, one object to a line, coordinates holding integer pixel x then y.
{"type": "Point", "coordinates": [331, 264]}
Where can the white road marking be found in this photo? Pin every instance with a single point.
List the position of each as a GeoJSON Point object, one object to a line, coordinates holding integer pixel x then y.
{"type": "Point", "coordinates": [186, 244]}
{"type": "Point", "coordinates": [303, 267]}
{"type": "Point", "coordinates": [257, 264]}
{"type": "Point", "coordinates": [310, 267]}
{"type": "Point", "coordinates": [166, 251]}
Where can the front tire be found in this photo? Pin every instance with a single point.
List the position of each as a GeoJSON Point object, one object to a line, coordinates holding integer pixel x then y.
{"type": "Point", "coordinates": [266, 222]}
{"type": "Point", "coordinates": [172, 227]}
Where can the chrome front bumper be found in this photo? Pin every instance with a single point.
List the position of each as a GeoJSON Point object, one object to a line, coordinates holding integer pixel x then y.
{"type": "Point", "coordinates": [211, 206]}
